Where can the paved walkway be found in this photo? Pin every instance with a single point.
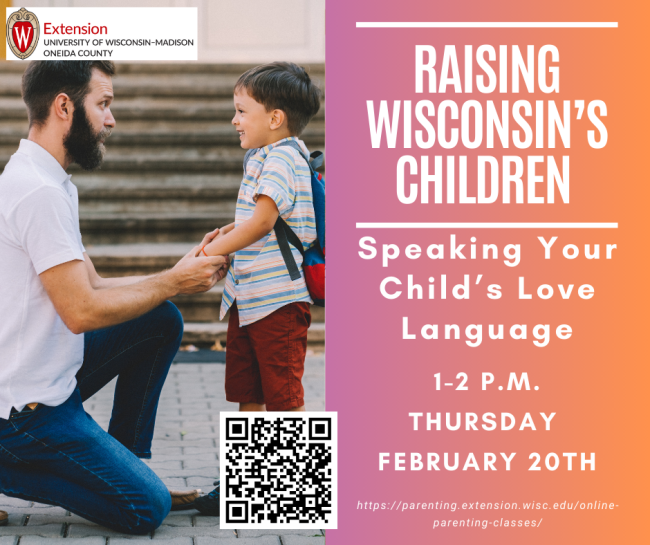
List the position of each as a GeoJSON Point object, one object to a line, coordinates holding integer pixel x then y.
{"type": "Point", "coordinates": [185, 455]}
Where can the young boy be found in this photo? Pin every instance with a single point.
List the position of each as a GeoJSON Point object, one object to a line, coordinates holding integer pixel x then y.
{"type": "Point", "coordinates": [269, 313]}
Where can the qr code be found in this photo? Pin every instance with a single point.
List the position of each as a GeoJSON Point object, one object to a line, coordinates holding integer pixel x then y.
{"type": "Point", "coordinates": [278, 470]}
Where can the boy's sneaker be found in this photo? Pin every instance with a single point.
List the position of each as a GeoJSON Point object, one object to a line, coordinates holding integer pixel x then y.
{"type": "Point", "coordinates": [208, 504]}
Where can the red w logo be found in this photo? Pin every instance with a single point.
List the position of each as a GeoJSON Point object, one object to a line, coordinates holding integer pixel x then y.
{"type": "Point", "coordinates": [23, 34]}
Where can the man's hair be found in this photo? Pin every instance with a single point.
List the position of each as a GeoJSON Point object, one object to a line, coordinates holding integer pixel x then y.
{"type": "Point", "coordinates": [44, 80]}
{"type": "Point", "coordinates": [284, 86]}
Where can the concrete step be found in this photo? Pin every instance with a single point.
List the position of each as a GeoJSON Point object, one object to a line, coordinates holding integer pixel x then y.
{"type": "Point", "coordinates": [205, 334]}
{"type": "Point", "coordinates": [165, 133]}
{"type": "Point", "coordinates": [113, 260]}
{"type": "Point", "coordinates": [161, 159]}
{"type": "Point", "coordinates": [162, 84]}
{"type": "Point", "coordinates": [120, 228]}
{"type": "Point", "coordinates": [101, 186]}
{"type": "Point", "coordinates": [211, 133]}
{"type": "Point", "coordinates": [150, 85]}
{"type": "Point", "coordinates": [200, 307]}
{"type": "Point", "coordinates": [137, 108]}
{"type": "Point", "coordinates": [175, 208]}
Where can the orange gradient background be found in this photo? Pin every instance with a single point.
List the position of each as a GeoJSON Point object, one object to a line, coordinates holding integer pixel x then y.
{"type": "Point", "coordinates": [596, 382]}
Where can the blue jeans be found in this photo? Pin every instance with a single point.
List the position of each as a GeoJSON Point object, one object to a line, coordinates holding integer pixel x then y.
{"type": "Point", "coordinates": [60, 455]}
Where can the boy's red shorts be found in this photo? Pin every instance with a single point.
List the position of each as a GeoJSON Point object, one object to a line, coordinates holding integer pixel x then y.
{"type": "Point", "coordinates": [265, 360]}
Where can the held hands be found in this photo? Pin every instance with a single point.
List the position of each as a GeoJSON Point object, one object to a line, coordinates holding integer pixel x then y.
{"type": "Point", "coordinates": [195, 274]}
{"type": "Point", "coordinates": [208, 238]}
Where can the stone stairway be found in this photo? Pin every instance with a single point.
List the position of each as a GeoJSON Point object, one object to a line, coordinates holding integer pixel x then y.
{"type": "Point", "coordinates": [171, 174]}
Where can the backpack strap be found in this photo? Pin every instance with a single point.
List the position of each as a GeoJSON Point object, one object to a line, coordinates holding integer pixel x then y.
{"type": "Point", "coordinates": [283, 232]}
{"type": "Point", "coordinates": [286, 236]}
{"type": "Point", "coordinates": [316, 160]}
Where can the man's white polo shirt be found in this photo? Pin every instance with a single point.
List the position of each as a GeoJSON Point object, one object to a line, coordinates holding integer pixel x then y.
{"type": "Point", "coordinates": [39, 229]}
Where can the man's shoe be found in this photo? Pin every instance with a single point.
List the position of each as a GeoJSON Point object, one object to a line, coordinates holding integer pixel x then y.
{"type": "Point", "coordinates": [208, 504]}
{"type": "Point", "coordinates": [4, 518]}
{"type": "Point", "coordinates": [182, 500]}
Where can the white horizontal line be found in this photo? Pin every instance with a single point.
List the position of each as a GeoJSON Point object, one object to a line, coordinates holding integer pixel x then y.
{"type": "Point", "coordinates": [383, 225]}
{"type": "Point", "coordinates": [483, 24]}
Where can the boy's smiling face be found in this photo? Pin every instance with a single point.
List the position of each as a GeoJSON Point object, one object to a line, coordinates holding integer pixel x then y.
{"type": "Point", "coordinates": [257, 127]}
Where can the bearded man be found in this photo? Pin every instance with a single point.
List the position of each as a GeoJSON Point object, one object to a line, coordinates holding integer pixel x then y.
{"type": "Point", "coordinates": [66, 332]}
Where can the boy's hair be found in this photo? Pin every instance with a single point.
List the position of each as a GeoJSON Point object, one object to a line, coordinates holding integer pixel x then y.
{"type": "Point", "coordinates": [284, 86]}
{"type": "Point", "coordinates": [44, 80]}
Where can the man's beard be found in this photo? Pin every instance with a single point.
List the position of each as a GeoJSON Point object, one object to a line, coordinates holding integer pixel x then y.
{"type": "Point", "coordinates": [82, 145]}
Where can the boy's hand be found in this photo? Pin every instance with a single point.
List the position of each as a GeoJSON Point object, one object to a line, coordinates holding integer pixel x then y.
{"type": "Point", "coordinates": [208, 238]}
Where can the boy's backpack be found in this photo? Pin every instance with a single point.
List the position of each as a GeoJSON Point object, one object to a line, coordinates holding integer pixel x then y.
{"type": "Point", "coordinates": [313, 259]}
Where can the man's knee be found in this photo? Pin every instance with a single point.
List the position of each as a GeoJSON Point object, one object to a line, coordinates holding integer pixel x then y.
{"type": "Point", "coordinates": [170, 319]}
{"type": "Point", "coordinates": [161, 503]}
{"type": "Point", "coordinates": [157, 510]}
{"type": "Point", "coordinates": [148, 517]}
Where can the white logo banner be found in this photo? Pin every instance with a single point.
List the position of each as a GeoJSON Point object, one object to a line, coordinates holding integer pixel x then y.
{"type": "Point", "coordinates": [117, 34]}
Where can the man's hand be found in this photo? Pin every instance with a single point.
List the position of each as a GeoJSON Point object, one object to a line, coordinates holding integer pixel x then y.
{"type": "Point", "coordinates": [223, 271]}
{"type": "Point", "coordinates": [197, 274]}
{"type": "Point", "coordinates": [83, 307]}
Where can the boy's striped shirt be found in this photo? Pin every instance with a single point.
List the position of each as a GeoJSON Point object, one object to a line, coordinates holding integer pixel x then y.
{"type": "Point", "coordinates": [258, 277]}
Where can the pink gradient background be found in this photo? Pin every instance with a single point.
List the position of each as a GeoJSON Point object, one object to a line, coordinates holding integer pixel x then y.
{"type": "Point", "coordinates": [595, 382]}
